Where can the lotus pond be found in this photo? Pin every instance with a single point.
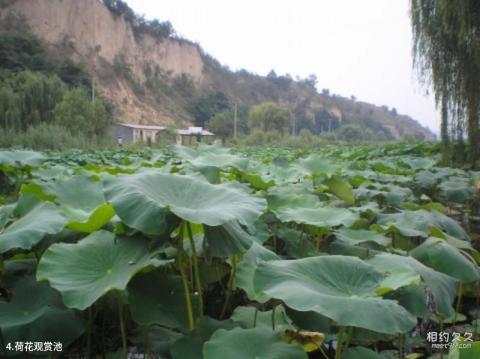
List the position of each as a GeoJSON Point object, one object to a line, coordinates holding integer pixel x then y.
{"type": "Point", "coordinates": [208, 252]}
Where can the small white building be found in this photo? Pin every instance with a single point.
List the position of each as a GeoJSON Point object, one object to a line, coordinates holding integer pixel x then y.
{"type": "Point", "coordinates": [128, 133]}
{"type": "Point", "coordinates": [193, 134]}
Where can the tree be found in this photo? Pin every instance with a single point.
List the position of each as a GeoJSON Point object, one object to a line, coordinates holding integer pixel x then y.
{"type": "Point", "coordinates": [222, 123]}
{"type": "Point", "coordinates": [271, 75]}
{"type": "Point", "coordinates": [302, 119]}
{"type": "Point", "coordinates": [270, 116]}
{"type": "Point", "coordinates": [28, 98]}
{"type": "Point", "coordinates": [80, 115]}
{"type": "Point", "coordinates": [324, 121]}
{"type": "Point", "coordinates": [351, 132]}
{"type": "Point", "coordinates": [205, 107]}
{"type": "Point", "coordinates": [446, 55]}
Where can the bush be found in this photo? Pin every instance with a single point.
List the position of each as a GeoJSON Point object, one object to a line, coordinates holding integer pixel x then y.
{"type": "Point", "coordinates": [256, 138]}
{"type": "Point", "coordinates": [51, 137]}
{"type": "Point", "coordinates": [269, 116]}
{"type": "Point", "coordinates": [80, 115]}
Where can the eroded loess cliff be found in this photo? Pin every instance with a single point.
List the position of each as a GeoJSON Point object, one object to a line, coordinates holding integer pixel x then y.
{"type": "Point", "coordinates": [150, 80]}
{"type": "Point", "coordinates": [89, 33]}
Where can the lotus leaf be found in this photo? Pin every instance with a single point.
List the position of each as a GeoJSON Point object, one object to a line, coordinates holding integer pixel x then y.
{"type": "Point", "coordinates": [36, 313]}
{"type": "Point", "coordinates": [250, 343]}
{"type": "Point", "coordinates": [86, 210]}
{"type": "Point", "coordinates": [31, 227]}
{"type": "Point", "coordinates": [443, 287]}
{"type": "Point", "coordinates": [342, 288]}
{"type": "Point", "coordinates": [158, 298]}
{"type": "Point", "coordinates": [142, 201]}
{"type": "Point", "coordinates": [443, 257]}
{"type": "Point", "coordinates": [82, 272]}
{"type": "Point", "coordinates": [190, 346]}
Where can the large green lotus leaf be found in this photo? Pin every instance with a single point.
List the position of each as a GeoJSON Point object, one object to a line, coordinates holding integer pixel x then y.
{"type": "Point", "coordinates": [52, 171]}
{"type": "Point", "coordinates": [314, 165]}
{"type": "Point", "coordinates": [257, 181]}
{"type": "Point", "coordinates": [419, 163]}
{"type": "Point", "coordinates": [357, 236]}
{"type": "Point", "coordinates": [21, 158]}
{"type": "Point", "coordinates": [227, 239]}
{"type": "Point", "coordinates": [443, 287]}
{"type": "Point", "coordinates": [6, 214]}
{"type": "Point", "coordinates": [142, 201]}
{"type": "Point", "coordinates": [398, 278]}
{"type": "Point", "coordinates": [426, 179]}
{"type": "Point", "coordinates": [36, 190]}
{"type": "Point", "coordinates": [86, 270]}
{"type": "Point", "coordinates": [158, 298]}
{"type": "Point", "coordinates": [318, 217]}
{"type": "Point", "coordinates": [36, 313]}
{"type": "Point", "coordinates": [412, 298]}
{"type": "Point", "coordinates": [361, 353]}
{"type": "Point", "coordinates": [190, 346]}
{"type": "Point", "coordinates": [248, 319]}
{"type": "Point", "coordinates": [284, 197]}
{"type": "Point", "coordinates": [158, 339]}
{"type": "Point", "coordinates": [190, 153]}
{"type": "Point", "coordinates": [456, 189]}
{"type": "Point", "coordinates": [392, 195]}
{"type": "Point", "coordinates": [244, 279]}
{"type": "Point", "coordinates": [88, 222]}
{"type": "Point", "coordinates": [416, 223]}
{"type": "Point", "coordinates": [31, 227]}
{"type": "Point", "coordinates": [85, 209]}
{"type": "Point", "coordinates": [383, 166]}
{"type": "Point", "coordinates": [472, 351]}
{"type": "Point", "coordinates": [342, 288]}
{"type": "Point", "coordinates": [443, 257]}
{"type": "Point", "coordinates": [250, 343]}
{"type": "Point", "coordinates": [341, 188]}
{"type": "Point", "coordinates": [257, 253]}
{"type": "Point", "coordinates": [219, 161]}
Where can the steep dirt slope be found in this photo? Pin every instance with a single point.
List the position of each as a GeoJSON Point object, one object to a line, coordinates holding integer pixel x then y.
{"type": "Point", "coordinates": [138, 72]}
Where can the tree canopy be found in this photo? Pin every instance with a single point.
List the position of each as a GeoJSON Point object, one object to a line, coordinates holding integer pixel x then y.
{"type": "Point", "coordinates": [270, 116]}
{"type": "Point", "coordinates": [447, 57]}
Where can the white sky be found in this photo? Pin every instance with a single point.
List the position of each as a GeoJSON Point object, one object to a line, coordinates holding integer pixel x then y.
{"type": "Point", "coordinates": [354, 47]}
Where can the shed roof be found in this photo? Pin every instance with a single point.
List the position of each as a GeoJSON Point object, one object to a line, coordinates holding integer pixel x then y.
{"type": "Point", "coordinates": [142, 127]}
{"type": "Point", "coordinates": [194, 131]}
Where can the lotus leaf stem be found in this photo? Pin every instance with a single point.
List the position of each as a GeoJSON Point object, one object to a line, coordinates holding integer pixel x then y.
{"type": "Point", "coordinates": [188, 302]}
{"type": "Point", "coordinates": [459, 302]}
{"type": "Point", "coordinates": [401, 344]}
{"type": "Point", "coordinates": [323, 352]}
{"type": "Point", "coordinates": [230, 287]}
{"type": "Point", "coordinates": [338, 352]}
{"type": "Point", "coordinates": [255, 317]}
{"type": "Point", "coordinates": [275, 231]}
{"type": "Point", "coordinates": [198, 282]}
{"type": "Point", "coordinates": [122, 326]}
{"type": "Point", "coordinates": [145, 342]}
{"type": "Point", "coordinates": [273, 317]}
{"type": "Point", "coordinates": [89, 331]}
{"type": "Point", "coordinates": [349, 337]}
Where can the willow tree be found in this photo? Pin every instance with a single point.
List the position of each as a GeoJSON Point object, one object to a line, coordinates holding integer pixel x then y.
{"type": "Point", "coordinates": [446, 49]}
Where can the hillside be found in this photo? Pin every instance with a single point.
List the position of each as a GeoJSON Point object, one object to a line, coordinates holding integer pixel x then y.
{"type": "Point", "coordinates": [152, 79]}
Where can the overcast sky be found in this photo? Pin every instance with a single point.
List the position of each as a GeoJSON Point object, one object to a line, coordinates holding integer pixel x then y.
{"type": "Point", "coordinates": [360, 48]}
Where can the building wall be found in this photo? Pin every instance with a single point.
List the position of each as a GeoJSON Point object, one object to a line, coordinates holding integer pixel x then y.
{"type": "Point", "coordinates": [126, 133]}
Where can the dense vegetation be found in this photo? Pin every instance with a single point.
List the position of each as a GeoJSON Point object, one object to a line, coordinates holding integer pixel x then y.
{"type": "Point", "coordinates": [40, 93]}
{"type": "Point", "coordinates": [139, 24]}
{"type": "Point", "coordinates": [447, 55]}
{"type": "Point", "coordinates": [343, 252]}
